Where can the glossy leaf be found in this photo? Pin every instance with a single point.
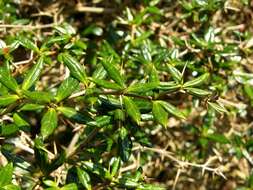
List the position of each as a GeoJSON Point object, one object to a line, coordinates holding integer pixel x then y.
{"type": "Point", "coordinates": [71, 186]}
{"type": "Point", "coordinates": [48, 122]}
{"type": "Point", "coordinates": [67, 87]}
{"type": "Point", "coordinates": [176, 75]}
{"type": "Point", "coordinates": [76, 69]}
{"type": "Point", "coordinates": [218, 138]}
{"type": "Point", "coordinates": [113, 73]}
{"type": "Point", "coordinates": [132, 109]}
{"type": "Point", "coordinates": [160, 114]}
{"type": "Point", "coordinates": [97, 169]}
{"type": "Point", "coordinates": [169, 86]}
{"type": "Point", "coordinates": [33, 75]}
{"type": "Point", "coordinates": [107, 84]}
{"type": "Point", "coordinates": [125, 144]}
{"type": "Point", "coordinates": [7, 80]}
{"type": "Point", "coordinates": [198, 92]}
{"type": "Point", "coordinates": [114, 165]}
{"type": "Point", "coordinates": [6, 174]}
{"type": "Point", "coordinates": [8, 99]}
{"type": "Point", "coordinates": [71, 113]}
{"type": "Point", "coordinates": [38, 96]}
{"type": "Point", "coordinates": [84, 178]}
{"type": "Point", "coordinates": [219, 108]}
{"type": "Point", "coordinates": [27, 43]}
{"type": "Point", "coordinates": [142, 87]}
{"type": "Point", "coordinates": [31, 107]}
{"type": "Point", "coordinates": [8, 129]}
{"type": "Point", "coordinates": [197, 81]}
{"type": "Point", "coordinates": [19, 121]}
{"type": "Point", "coordinates": [172, 109]}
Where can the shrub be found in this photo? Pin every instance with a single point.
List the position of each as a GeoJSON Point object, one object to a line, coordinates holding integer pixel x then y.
{"type": "Point", "coordinates": [135, 100]}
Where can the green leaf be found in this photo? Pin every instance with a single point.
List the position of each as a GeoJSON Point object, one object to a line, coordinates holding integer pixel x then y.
{"type": "Point", "coordinates": [218, 138]}
{"type": "Point", "coordinates": [7, 80]}
{"type": "Point", "coordinates": [50, 183]}
{"type": "Point", "coordinates": [31, 107]}
{"type": "Point", "coordinates": [71, 186]}
{"type": "Point", "coordinates": [153, 75]}
{"type": "Point", "coordinates": [142, 87]}
{"type": "Point", "coordinates": [33, 75]}
{"type": "Point", "coordinates": [67, 87]}
{"type": "Point", "coordinates": [84, 178]}
{"type": "Point", "coordinates": [113, 73]}
{"type": "Point", "coordinates": [176, 75]}
{"type": "Point", "coordinates": [160, 114]}
{"type": "Point", "coordinates": [106, 84]}
{"type": "Point", "coordinates": [169, 86]}
{"type": "Point", "coordinates": [38, 96]}
{"type": "Point", "coordinates": [73, 114]}
{"type": "Point", "coordinates": [57, 162]}
{"type": "Point", "coordinates": [172, 109]}
{"type": "Point", "coordinates": [48, 122]}
{"type": "Point", "coordinates": [6, 174]}
{"type": "Point", "coordinates": [219, 108]}
{"type": "Point", "coordinates": [25, 42]}
{"type": "Point", "coordinates": [114, 165]}
{"type": "Point", "coordinates": [76, 69]}
{"type": "Point", "coordinates": [198, 92]}
{"type": "Point", "coordinates": [8, 99]}
{"type": "Point", "coordinates": [41, 155]}
{"type": "Point", "coordinates": [8, 129]}
{"type": "Point", "coordinates": [197, 81]}
{"type": "Point", "coordinates": [150, 187]}
{"type": "Point", "coordinates": [97, 169]}
{"type": "Point", "coordinates": [19, 121]}
{"type": "Point", "coordinates": [11, 187]}
{"type": "Point", "coordinates": [65, 29]}
{"type": "Point", "coordinates": [132, 110]}
{"type": "Point", "coordinates": [125, 144]}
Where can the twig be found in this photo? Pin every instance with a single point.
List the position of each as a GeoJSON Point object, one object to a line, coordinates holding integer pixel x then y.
{"type": "Point", "coordinates": [28, 27]}
{"type": "Point", "coordinates": [82, 8]}
{"type": "Point", "coordinates": [181, 163]}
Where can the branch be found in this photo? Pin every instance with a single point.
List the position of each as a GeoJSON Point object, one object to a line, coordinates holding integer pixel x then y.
{"type": "Point", "coordinates": [181, 163]}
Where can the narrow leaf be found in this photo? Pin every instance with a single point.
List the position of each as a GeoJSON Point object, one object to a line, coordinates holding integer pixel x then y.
{"type": "Point", "coordinates": [97, 169]}
{"type": "Point", "coordinates": [114, 165]}
{"type": "Point", "coordinates": [31, 107]}
{"type": "Point", "coordinates": [169, 86]}
{"type": "Point", "coordinates": [219, 108]}
{"type": "Point", "coordinates": [142, 87]}
{"type": "Point", "coordinates": [38, 96]}
{"type": "Point", "coordinates": [25, 42]}
{"type": "Point", "coordinates": [7, 80]}
{"type": "Point", "coordinates": [113, 73]}
{"type": "Point", "coordinates": [67, 87]}
{"type": "Point", "coordinates": [197, 81]}
{"type": "Point", "coordinates": [218, 138]}
{"type": "Point", "coordinates": [8, 99]}
{"type": "Point", "coordinates": [172, 109]}
{"type": "Point", "coordinates": [106, 84]}
{"type": "Point", "coordinates": [198, 92]}
{"type": "Point", "coordinates": [132, 110]}
{"type": "Point", "coordinates": [160, 115]}
{"type": "Point", "coordinates": [33, 75]}
{"type": "Point", "coordinates": [6, 174]}
{"type": "Point", "coordinates": [125, 144]}
{"type": "Point", "coordinates": [176, 75]}
{"type": "Point", "coordinates": [73, 114]}
{"type": "Point", "coordinates": [76, 69]}
{"type": "Point", "coordinates": [71, 186]}
{"type": "Point", "coordinates": [48, 122]}
{"type": "Point", "coordinates": [84, 178]}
